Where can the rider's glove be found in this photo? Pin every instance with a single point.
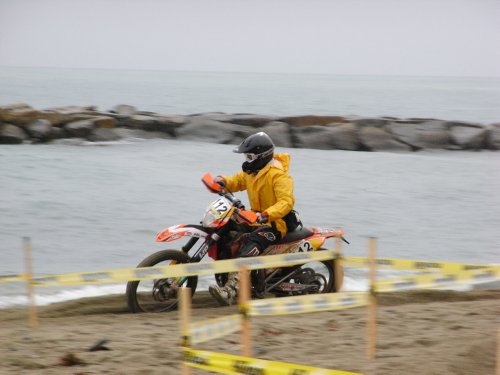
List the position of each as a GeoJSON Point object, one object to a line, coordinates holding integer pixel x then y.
{"type": "Point", "coordinates": [219, 180]}
{"type": "Point", "coordinates": [262, 217]}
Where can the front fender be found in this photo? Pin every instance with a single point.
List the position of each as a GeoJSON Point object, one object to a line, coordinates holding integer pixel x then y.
{"type": "Point", "coordinates": [183, 230]}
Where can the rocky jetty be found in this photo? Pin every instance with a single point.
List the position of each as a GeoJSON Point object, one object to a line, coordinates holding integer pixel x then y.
{"type": "Point", "coordinates": [20, 123]}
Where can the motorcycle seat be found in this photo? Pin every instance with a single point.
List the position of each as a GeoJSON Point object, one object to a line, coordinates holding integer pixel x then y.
{"type": "Point", "coordinates": [296, 235]}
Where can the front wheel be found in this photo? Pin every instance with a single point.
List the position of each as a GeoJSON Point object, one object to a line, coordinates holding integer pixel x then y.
{"type": "Point", "coordinates": [159, 295]}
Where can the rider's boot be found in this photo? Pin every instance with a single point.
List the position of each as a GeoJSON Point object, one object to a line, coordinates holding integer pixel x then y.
{"type": "Point", "coordinates": [226, 295]}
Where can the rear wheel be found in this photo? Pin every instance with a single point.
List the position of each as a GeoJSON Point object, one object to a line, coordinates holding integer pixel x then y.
{"type": "Point", "coordinates": [322, 275]}
{"type": "Point", "coordinates": [331, 280]}
{"type": "Point", "coordinates": [159, 295]}
{"type": "Point", "coordinates": [336, 272]}
{"type": "Point", "coordinates": [312, 277]}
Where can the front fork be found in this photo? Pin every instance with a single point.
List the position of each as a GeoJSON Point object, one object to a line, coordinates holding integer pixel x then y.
{"type": "Point", "coordinates": [200, 253]}
{"type": "Point", "coordinates": [185, 249]}
{"type": "Point", "coordinates": [176, 283]}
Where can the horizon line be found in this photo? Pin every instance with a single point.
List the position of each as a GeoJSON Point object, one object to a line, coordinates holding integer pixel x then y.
{"type": "Point", "coordinates": [252, 72]}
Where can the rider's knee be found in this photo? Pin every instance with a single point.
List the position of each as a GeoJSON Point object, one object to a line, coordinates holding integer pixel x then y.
{"type": "Point", "coordinates": [249, 249]}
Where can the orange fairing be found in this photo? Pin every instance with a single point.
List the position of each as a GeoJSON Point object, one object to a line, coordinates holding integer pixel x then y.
{"type": "Point", "coordinates": [179, 231]}
{"type": "Point", "coordinates": [210, 183]}
{"type": "Point", "coordinates": [248, 216]}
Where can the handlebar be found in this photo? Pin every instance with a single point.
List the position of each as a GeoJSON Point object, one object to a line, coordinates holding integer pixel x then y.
{"type": "Point", "coordinates": [231, 198]}
{"type": "Point", "coordinates": [245, 215]}
{"type": "Point", "coordinates": [214, 187]}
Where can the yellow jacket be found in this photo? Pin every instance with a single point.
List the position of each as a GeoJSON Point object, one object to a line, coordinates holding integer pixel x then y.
{"type": "Point", "coordinates": [270, 190]}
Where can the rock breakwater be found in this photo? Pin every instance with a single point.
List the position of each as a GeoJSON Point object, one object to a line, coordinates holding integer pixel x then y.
{"type": "Point", "coordinates": [20, 123]}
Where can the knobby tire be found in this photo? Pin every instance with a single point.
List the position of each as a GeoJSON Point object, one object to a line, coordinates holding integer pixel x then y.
{"type": "Point", "coordinates": [154, 259]}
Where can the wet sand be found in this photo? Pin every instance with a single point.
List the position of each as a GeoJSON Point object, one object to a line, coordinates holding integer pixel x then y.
{"type": "Point", "coordinates": [419, 332]}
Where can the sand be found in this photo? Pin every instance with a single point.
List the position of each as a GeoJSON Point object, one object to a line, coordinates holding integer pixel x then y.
{"type": "Point", "coordinates": [419, 332]}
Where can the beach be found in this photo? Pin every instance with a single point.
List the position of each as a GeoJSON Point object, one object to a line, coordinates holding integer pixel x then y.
{"type": "Point", "coordinates": [419, 332]}
{"type": "Point", "coordinates": [388, 113]}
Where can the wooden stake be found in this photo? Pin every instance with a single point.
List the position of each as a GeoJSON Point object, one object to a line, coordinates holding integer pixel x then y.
{"type": "Point", "coordinates": [372, 306]}
{"type": "Point", "coordinates": [185, 319]}
{"type": "Point", "coordinates": [28, 267]}
{"type": "Point", "coordinates": [338, 268]}
{"type": "Point", "coordinates": [243, 300]}
{"type": "Point", "coordinates": [498, 352]}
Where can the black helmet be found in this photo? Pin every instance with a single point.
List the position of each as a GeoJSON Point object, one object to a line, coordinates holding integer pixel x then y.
{"type": "Point", "coordinates": [258, 149]}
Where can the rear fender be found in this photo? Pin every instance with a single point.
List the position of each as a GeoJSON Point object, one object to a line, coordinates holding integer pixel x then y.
{"type": "Point", "coordinates": [327, 233]}
{"type": "Point", "coordinates": [314, 242]}
{"type": "Point", "coordinates": [183, 230]}
{"type": "Point", "coordinates": [320, 235]}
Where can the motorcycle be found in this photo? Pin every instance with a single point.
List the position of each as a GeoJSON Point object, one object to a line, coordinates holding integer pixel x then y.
{"type": "Point", "coordinates": [224, 224]}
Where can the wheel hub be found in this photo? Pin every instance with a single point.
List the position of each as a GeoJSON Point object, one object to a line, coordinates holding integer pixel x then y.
{"type": "Point", "coordinates": [165, 289]}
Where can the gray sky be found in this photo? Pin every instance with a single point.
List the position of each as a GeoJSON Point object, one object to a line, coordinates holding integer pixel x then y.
{"type": "Point", "coordinates": [404, 37]}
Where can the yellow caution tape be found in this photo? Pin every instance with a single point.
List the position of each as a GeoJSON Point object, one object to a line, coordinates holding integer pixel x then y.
{"type": "Point", "coordinates": [415, 265]}
{"type": "Point", "coordinates": [232, 265]}
{"type": "Point", "coordinates": [11, 278]}
{"type": "Point", "coordinates": [178, 270]}
{"type": "Point", "coordinates": [306, 303]}
{"type": "Point", "coordinates": [232, 364]}
{"type": "Point", "coordinates": [439, 280]}
{"type": "Point", "coordinates": [210, 329]}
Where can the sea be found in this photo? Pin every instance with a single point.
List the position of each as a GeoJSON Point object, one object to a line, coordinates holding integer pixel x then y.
{"type": "Point", "coordinates": [98, 206]}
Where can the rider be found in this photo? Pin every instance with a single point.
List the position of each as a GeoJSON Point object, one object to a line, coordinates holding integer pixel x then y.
{"type": "Point", "coordinates": [270, 193]}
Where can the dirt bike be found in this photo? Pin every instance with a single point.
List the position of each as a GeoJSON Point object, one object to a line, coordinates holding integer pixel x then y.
{"type": "Point", "coordinates": [224, 223]}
